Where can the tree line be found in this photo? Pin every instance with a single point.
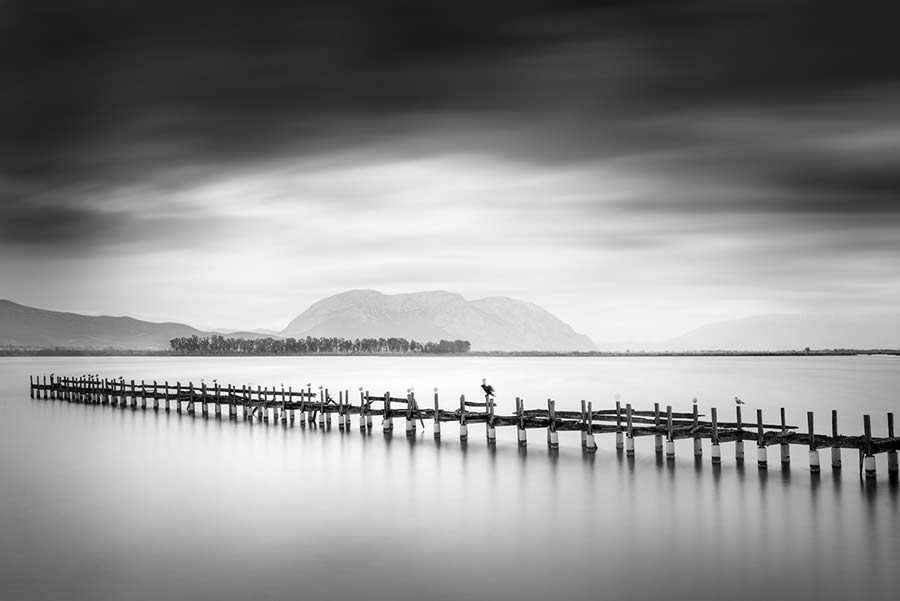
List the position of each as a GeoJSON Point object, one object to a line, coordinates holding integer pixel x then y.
{"type": "Point", "coordinates": [220, 345]}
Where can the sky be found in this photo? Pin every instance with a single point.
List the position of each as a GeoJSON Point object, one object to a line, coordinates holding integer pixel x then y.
{"type": "Point", "coordinates": [637, 168]}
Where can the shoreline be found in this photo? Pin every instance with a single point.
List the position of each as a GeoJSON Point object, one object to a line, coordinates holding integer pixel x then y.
{"type": "Point", "coordinates": [152, 353]}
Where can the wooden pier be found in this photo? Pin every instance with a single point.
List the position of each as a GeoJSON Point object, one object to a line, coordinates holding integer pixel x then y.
{"type": "Point", "coordinates": [317, 407]}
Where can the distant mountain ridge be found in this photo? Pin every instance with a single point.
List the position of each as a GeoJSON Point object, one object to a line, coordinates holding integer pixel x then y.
{"type": "Point", "coordinates": [490, 324]}
{"type": "Point", "coordinates": [794, 332]}
{"type": "Point", "coordinates": [22, 326]}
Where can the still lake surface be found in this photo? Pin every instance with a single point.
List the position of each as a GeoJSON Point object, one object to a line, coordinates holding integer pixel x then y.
{"type": "Point", "coordinates": [99, 503]}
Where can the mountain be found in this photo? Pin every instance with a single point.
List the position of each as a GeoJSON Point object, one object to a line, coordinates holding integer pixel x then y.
{"type": "Point", "coordinates": [792, 332]}
{"type": "Point", "coordinates": [23, 326]}
{"type": "Point", "coordinates": [495, 323]}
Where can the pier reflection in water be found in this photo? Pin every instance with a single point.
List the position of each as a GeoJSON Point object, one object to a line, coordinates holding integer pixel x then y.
{"type": "Point", "coordinates": [106, 504]}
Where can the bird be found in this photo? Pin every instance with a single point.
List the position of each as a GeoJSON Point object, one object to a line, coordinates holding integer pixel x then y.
{"type": "Point", "coordinates": [695, 400]}
{"type": "Point", "coordinates": [738, 401]}
{"type": "Point", "coordinates": [487, 388]}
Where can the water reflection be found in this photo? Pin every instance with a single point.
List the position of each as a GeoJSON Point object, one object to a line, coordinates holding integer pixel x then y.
{"type": "Point", "coordinates": [468, 520]}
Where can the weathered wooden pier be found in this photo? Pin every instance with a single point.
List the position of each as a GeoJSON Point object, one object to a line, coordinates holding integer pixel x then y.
{"type": "Point", "coordinates": [316, 408]}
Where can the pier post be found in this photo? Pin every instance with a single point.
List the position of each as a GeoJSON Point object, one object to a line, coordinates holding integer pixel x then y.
{"type": "Point", "coordinates": [698, 443]}
{"type": "Point", "coordinates": [387, 422]}
{"type": "Point", "coordinates": [133, 396]}
{"type": "Point", "coordinates": [291, 410]}
{"type": "Point", "coordinates": [657, 438]}
{"type": "Point", "coordinates": [364, 409]}
{"type": "Point", "coordinates": [785, 448]}
{"type": "Point", "coordinates": [813, 452]}
{"type": "Point", "coordinates": [341, 411]}
{"type": "Point", "coordinates": [262, 400]}
{"type": "Point", "coordinates": [410, 413]}
{"type": "Point", "coordinates": [739, 444]}
{"type": "Point", "coordinates": [835, 450]}
{"type": "Point", "coordinates": [583, 424]}
{"type": "Point", "coordinates": [328, 413]}
{"type": "Point", "coordinates": [463, 428]}
{"type": "Point", "coordinates": [31, 385]}
{"type": "Point", "coordinates": [143, 396]}
{"type": "Point", "coordinates": [552, 434]}
{"type": "Point", "coordinates": [619, 441]}
{"type": "Point", "coordinates": [670, 441]}
{"type": "Point", "coordinates": [166, 383]}
{"type": "Point", "coordinates": [44, 389]}
{"type": "Point", "coordinates": [762, 460]}
{"type": "Point", "coordinates": [521, 432]}
{"type": "Point", "coordinates": [891, 455]}
{"type": "Point", "coordinates": [178, 398]}
{"type": "Point", "coordinates": [629, 440]}
{"type": "Point", "coordinates": [155, 397]}
{"type": "Point", "coordinates": [590, 444]}
{"type": "Point", "coordinates": [869, 461]}
{"type": "Point", "coordinates": [437, 417]}
{"type": "Point", "coordinates": [715, 450]}
{"type": "Point", "coordinates": [218, 399]}
{"type": "Point", "coordinates": [490, 430]}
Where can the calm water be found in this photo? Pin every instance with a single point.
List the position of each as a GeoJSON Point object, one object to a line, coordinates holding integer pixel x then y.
{"type": "Point", "coordinates": [99, 503]}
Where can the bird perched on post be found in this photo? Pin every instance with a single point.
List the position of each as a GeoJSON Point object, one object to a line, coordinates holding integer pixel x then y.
{"type": "Point", "coordinates": [738, 401]}
{"type": "Point", "coordinates": [487, 388]}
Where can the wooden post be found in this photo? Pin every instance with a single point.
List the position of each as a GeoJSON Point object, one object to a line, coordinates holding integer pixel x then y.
{"type": "Point", "coordinates": [328, 414]}
{"type": "Point", "coordinates": [552, 434]}
{"type": "Point", "coordinates": [410, 413]}
{"type": "Point", "coordinates": [463, 428]}
{"type": "Point", "coordinates": [670, 441]}
{"type": "Point", "coordinates": [31, 385]}
{"type": "Point", "coordinates": [490, 430]}
{"type": "Point", "coordinates": [785, 448]}
{"type": "Point", "coordinates": [657, 438]}
{"type": "Point", "coordinates": [155, 397]}
{"type": "Point", "coordinates": [44, 389]}
{"type": "Point", "coordinates": [363, 409]}
{"type": "Point", "coordinates": [437, 417]}
{"type": "Point", "coordinates": [218, 401]}
{"type": "Point", "coordinates": [762, 460]}
{"type": "Point", "coordinates": [835, 450]}
{"type": "Point", "coordinates": [739, 443]}
{"type": "Point", "coordinates": [368, 412]}
{"type": "Point", "coordinates": [583, 424]}
{"type": "Point", "coordinates": [813, 452]}
{"type": "Point", "coordinates": [891, 455]}
{"type": "Point", "coordinates": [698, 444]}
{"type": "Point", "coordinates": [263, 400]}
{"type": "Point", "coordinates": [387, 422]}
{"type": "Point", "coordinates": [133, 396]}
{"type": "Point", "coordinates": [869, 461]}
{"type": "Point", "coordinates": [715, 450]}
{"type": "Point", "coordinates": [619, 441]}
{"type": "Point", "coordinates": [590, 444]}
{"type": "Point", "coordinates": [291, 412]}
{"type": "Point", "coordinates": [629, 440]}
{"type": "Point", "coordinates": [143, 396]}
{"type": "Point", "coordinates": [521, 433]}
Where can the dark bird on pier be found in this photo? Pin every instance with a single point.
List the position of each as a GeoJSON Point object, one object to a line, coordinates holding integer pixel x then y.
{"type": "Point", "coordinates": [738, 401]}
{"type": "Point", "coordinates": [487, 388]}
{"type": "Point", "coordinates": [695, 400]}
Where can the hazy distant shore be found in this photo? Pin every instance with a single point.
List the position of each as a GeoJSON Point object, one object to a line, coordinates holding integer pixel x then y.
{"type": "Point", "coordinates": [62, 352]}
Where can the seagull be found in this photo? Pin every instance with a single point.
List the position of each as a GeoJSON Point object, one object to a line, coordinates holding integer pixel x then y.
{"type": "Point", "coordinates": [738, 401]}
{"type": "Point", "coordinates": [488, 389]}
{"type": "Point", "coordinates": [695, 400]}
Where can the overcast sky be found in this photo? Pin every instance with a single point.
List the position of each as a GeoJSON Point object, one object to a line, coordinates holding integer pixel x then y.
{"type": "Point", "coordinates": [637, 168]}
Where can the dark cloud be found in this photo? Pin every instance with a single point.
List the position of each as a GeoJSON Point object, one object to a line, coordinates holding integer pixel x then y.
{"type": "Point", "coordinates": [117, 91]}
